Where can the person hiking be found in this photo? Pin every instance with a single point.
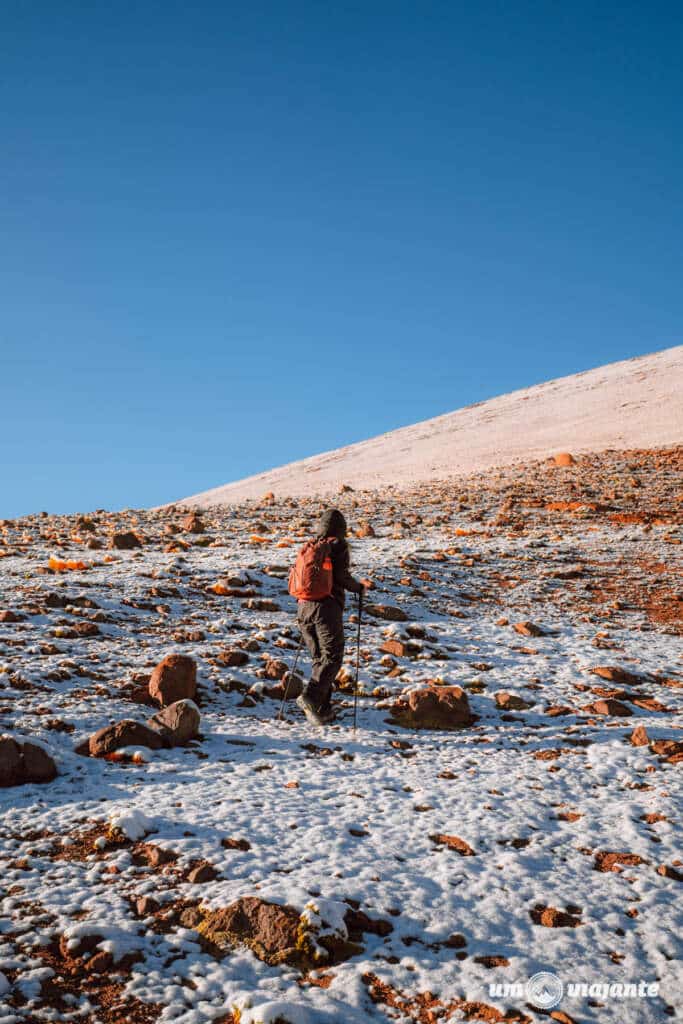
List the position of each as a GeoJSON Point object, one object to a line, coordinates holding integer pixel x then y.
{"type": "Point", "coordinates": [323, 568]}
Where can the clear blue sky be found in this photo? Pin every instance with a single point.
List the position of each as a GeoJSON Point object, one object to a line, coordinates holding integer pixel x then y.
{"type": "Point", "coordinates": [233, 235]}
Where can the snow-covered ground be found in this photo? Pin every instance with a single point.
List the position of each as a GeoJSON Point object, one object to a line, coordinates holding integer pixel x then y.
{"type": "Point", "coordinates": [637, 403]}
{"type": "Point", "coordinates": [327, 817]}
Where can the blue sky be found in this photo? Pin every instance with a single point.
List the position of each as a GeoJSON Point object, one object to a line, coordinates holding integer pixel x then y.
{"type": "Point", "coordinates": [233, 235]}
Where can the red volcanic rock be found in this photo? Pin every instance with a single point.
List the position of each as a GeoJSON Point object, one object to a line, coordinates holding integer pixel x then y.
{"type": "Point", "coordinates": [193, 523]}
{"type": "Point", "coordinates": [639, 737]}
{"type": "Point", "coordinates": [453, 843]}
{"type": "Point", "coordinates": [511, 702]}
{"type": "Point", "coordinates": [122, 734]}
{"type": "Point", "coordinates": [271, 931]}
{"type": "Point", "coordinates": [620, 676]}
{"type": "Point", "coordinates": [607, 860]}
{"type": "Point", "coordinates": [10, 762]}
{"type": "Point", "coordinates": [528, 629]}
{"type": "Point", "coordinates": [386, 611]}
{"type": "Point", "coordinates": [232, 659]}
{"type": "Point", "coordinates": [551, 917]}
{"type": "Point", "coordinates": [38, 766]}
{"type": "Point", "coordinates": [608, 707]}
{"type": "Point", "coordinates": [396, 648]}
{"type": "Point", "coordinates": [174, 678]}
{"type": "Point", "coordinates": [125, 541]}
{"type": "Point", "coordinates": [276, 669]}
{"type": "Point", "coordinates": [22, 762]}
{"type": "Point", "coordinates": [670, 872]}
{"type": "Point", "coordinates": [178, 723]}
{"type": "Point", "coordinates": [433, 707]}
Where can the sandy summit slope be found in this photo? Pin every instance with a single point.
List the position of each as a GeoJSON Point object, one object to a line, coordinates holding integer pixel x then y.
{"type": "Point", "coordinates": [634, 403]}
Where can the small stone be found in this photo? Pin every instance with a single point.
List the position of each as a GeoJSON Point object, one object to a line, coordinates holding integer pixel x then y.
{"type": "Point", "coordinates": [193, 523]}
{"type": "Point", "coordinates": [235, 844]}
{"type": "Point", "coordinates": [607, 861]}
{"type": "Point", "coordinates": [233, 658]}
{"type": "Point", "coordinates": [608, 707]}
{"type": "Point", "coordinates": [100, 963]}
{"type": "Point", "coordinates": [528, 629]}
{"type": "Point", "coordinates": [639, 737]}
{"type": "Point", "coordinates": [261, 604]}
{"type": "Point", "coordinates": [511, 702]}
{"type": "Point", "coordinates": [395, 647]}
{"type": "Point", "coordinates": [146, 906]}
{"type": "Point", "coordinates": [386, 611]}
{"type": "Point", "coordinates": [666, 871]}
{"type": "Point", "coordinates": [276, 669]}
{"type": "Point", "coordinates": [453, 843]}
{"type": "Point", "coordinates": [204, 872]}
{"type": "Point", "coordinates": [125, 541]}
{"type": "Point", "coordinates": [550, 917]}
{"type": "Point", "coordinates": [620, 676]}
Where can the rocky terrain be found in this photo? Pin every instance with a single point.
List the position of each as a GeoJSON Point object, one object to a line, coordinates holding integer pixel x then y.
{"type": "Point", "coordinates": [172, 851]}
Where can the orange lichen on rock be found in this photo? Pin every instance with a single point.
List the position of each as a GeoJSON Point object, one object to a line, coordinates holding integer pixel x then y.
{"type": "Point", "coordinates": [57, 565]}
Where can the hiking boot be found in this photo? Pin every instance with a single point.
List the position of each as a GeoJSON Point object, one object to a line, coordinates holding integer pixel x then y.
{"type": "Point", "coordinates": [311, 712]}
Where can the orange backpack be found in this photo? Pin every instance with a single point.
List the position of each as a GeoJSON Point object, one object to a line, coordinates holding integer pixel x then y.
{"type": "Point", "coordinates": [310, 578]}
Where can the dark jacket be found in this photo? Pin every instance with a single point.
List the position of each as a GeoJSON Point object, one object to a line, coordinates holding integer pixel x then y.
{"type": "Point", "coordinates": [333, 525]}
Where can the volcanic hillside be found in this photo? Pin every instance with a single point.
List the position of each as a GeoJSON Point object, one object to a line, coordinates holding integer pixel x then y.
{"type": "Point", "coordinates": [637, 403]}
{"type": "Point", "coordinates": [510, 802]}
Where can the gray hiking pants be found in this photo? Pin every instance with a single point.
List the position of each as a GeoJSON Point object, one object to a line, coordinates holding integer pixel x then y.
{"type": "Point", "coordinates": [322, 627]}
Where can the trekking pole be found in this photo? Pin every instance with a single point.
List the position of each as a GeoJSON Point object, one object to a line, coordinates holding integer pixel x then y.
{"type": "Point", "coordinates": [289, 678]}
{"type": "Point", "coordinates": [355, 688]}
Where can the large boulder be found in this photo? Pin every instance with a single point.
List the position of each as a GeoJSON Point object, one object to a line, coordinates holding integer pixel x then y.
{"type": "Point", "coordinates": [22, 762]}
{"type": "Point", "coordinates": [177, 724]}
{"type": "Point", "coordinates": [174, 678]}
{"type": "Point", "coordinates": [271, 931]}
{"type": "Point", "coordinates": [123, 734]}
{"type": "Point", "coordinates": [280, 934]}
{"type": "Point", "coordinates": [10, 762]}
{"type": "Point", "coordinates": [433, 707]}
{"type": "Point", "coordinates": [38, 765]}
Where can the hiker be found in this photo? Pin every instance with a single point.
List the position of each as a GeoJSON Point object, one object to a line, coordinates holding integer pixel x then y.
{"type": "Point", "coordinates": [318, 581]}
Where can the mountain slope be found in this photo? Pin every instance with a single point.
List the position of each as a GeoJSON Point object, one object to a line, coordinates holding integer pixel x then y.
{"type": "Point", "coordinates": [636, 403]}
